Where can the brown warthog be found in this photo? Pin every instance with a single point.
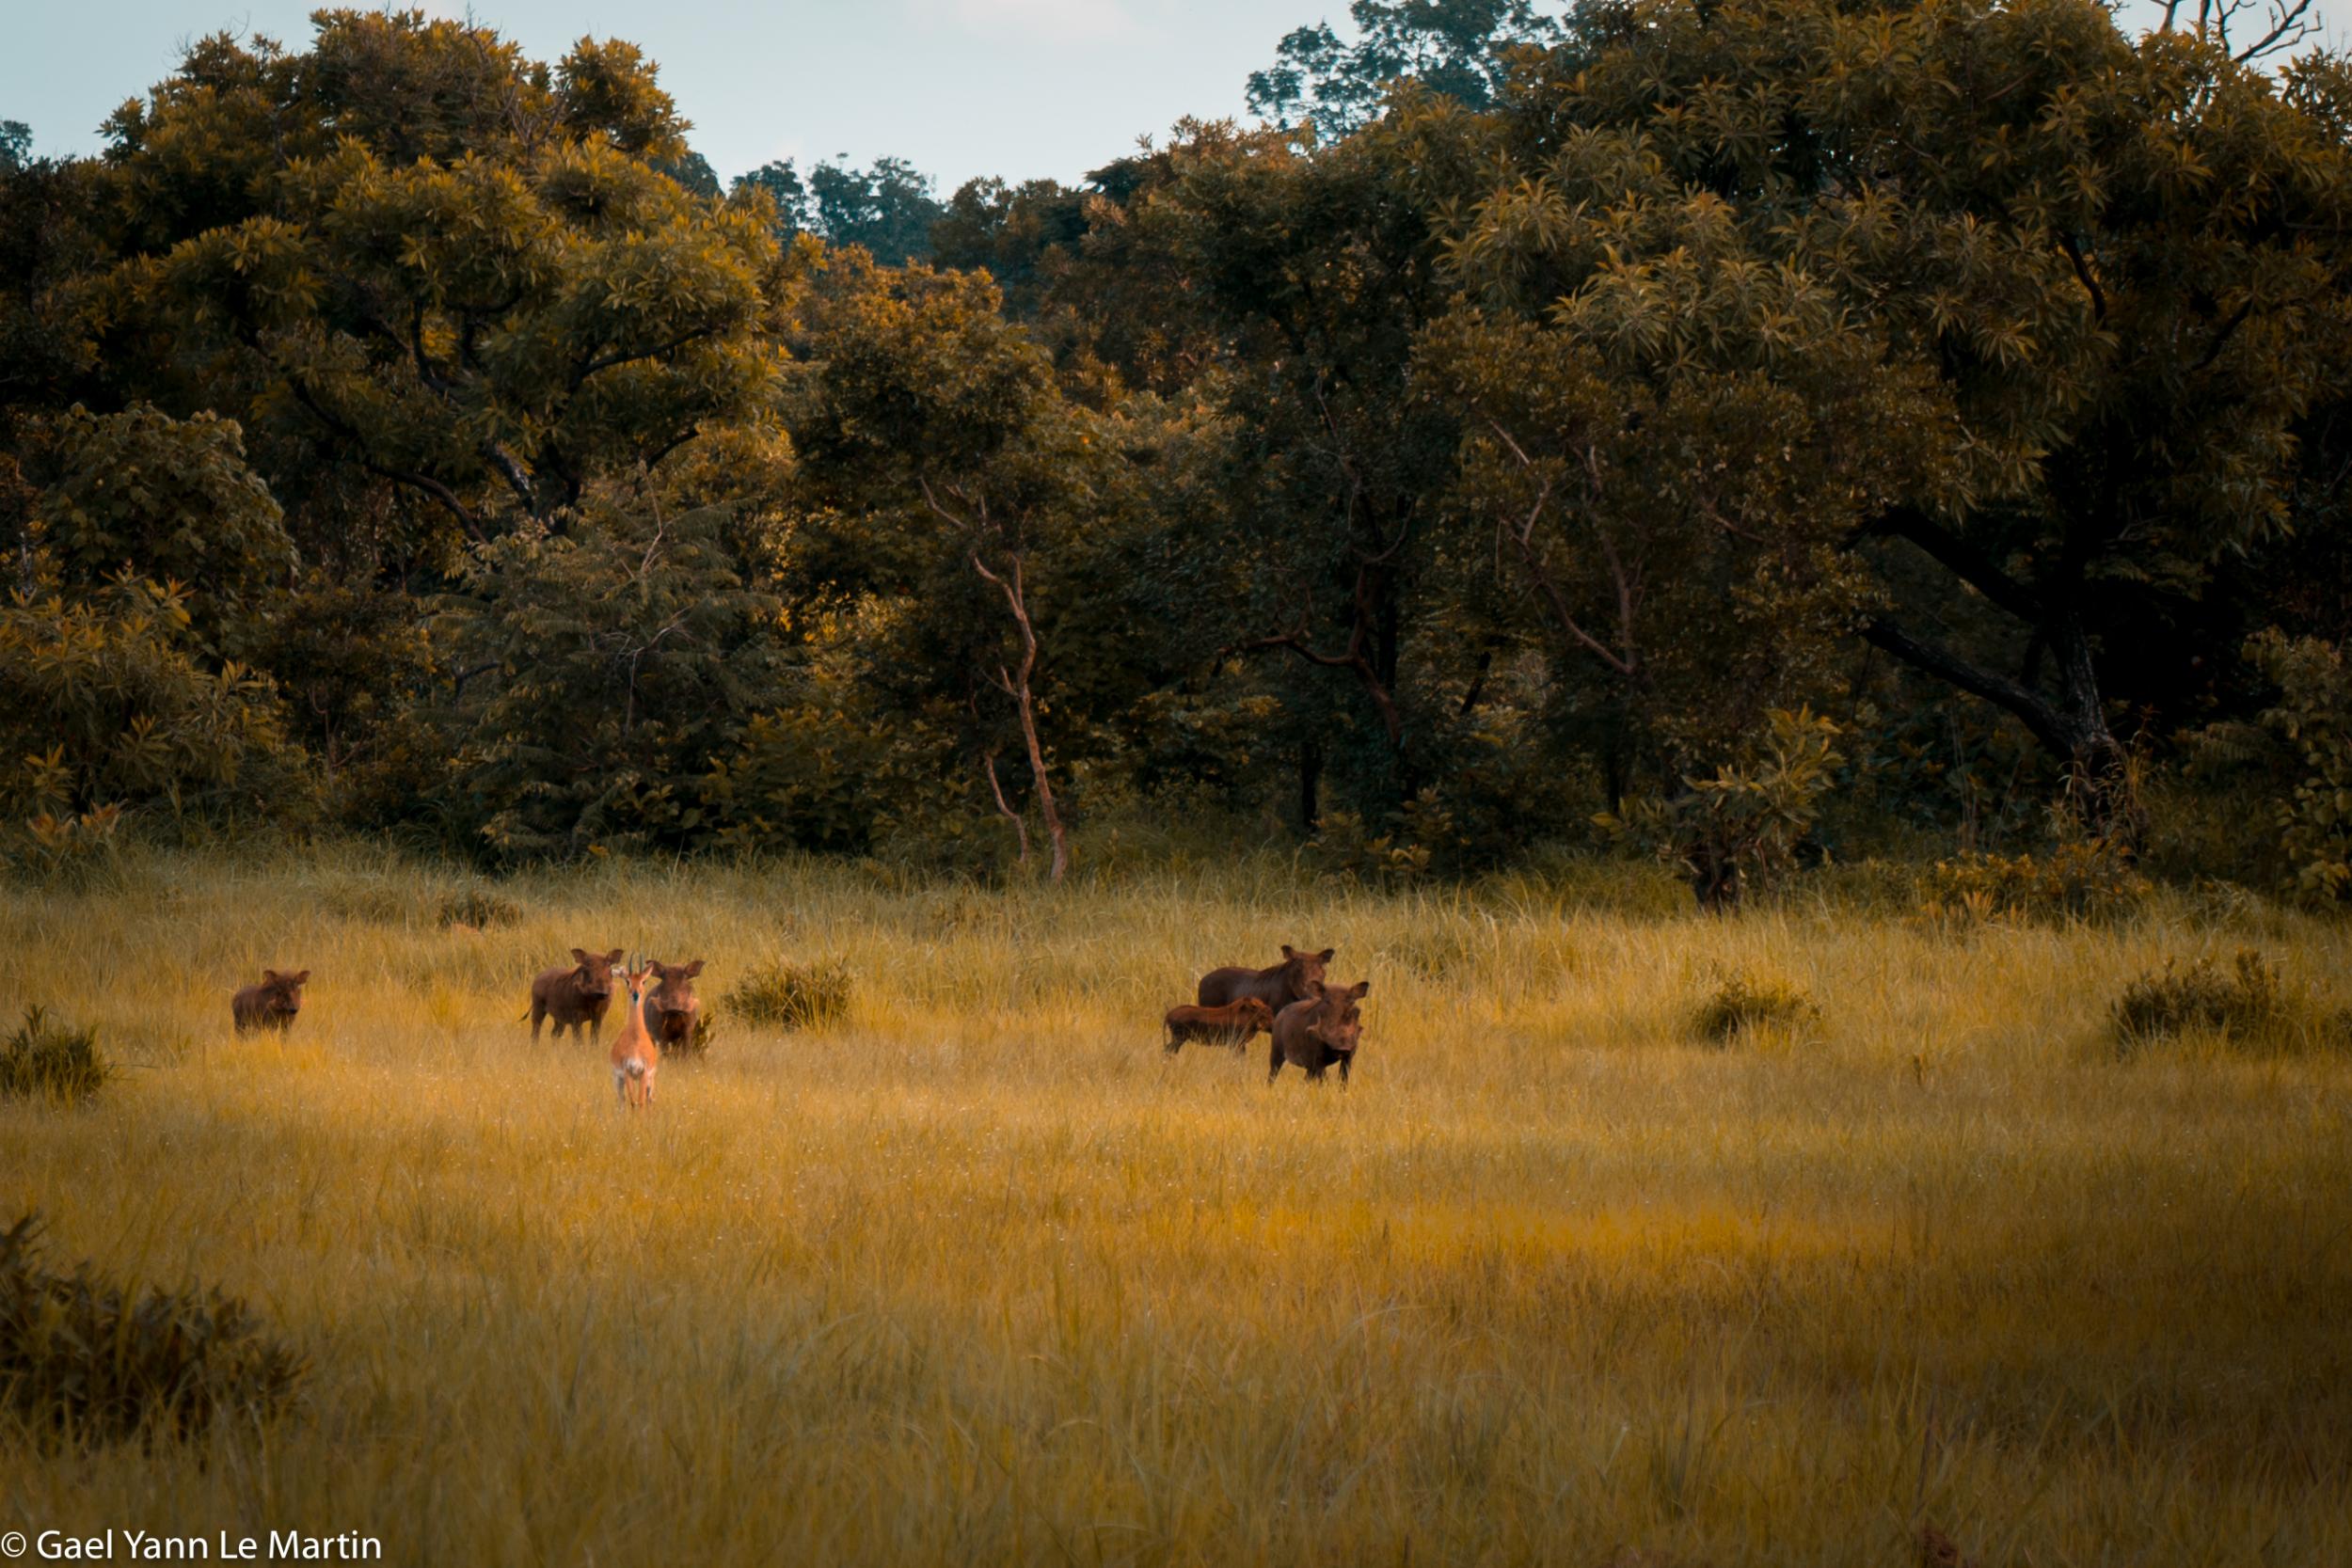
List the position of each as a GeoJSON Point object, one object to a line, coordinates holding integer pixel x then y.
{"type": "Point", "coordinates": [1319, 1031]}
{"type": "Point", "coordinates": [271, 1004]}
{"type": "Point", "coordinates": [1277, 988]}
{"type": "Point", "coordinates": [573, 996]}
{"type": "Point", "coordinates": [670, 1005]}
{"type": "Point", "coordinates": [1232, 1025]}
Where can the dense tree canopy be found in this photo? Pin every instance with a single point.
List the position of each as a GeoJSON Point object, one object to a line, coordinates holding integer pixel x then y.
{"type": "Point", "coordinates": [1626, 409]}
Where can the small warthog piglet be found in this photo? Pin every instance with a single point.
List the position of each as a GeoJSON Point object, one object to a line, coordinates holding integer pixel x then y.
{"type": "Point", "coordinates": [1277, 987]}
{"type": "Point", "coordinates": [1319, 1031]}
{"type": "Point", "coordinates": [1232, 1025]}
{"type": "Point", "coordinates": [271, 1004]}
{"type": "Point", "coordinates": [573, 996]}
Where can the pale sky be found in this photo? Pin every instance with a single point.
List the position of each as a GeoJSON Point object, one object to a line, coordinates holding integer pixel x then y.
{"type": "Point", "coordinates": [959, 87]}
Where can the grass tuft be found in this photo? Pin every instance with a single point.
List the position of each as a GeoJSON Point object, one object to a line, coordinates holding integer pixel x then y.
{"type": "Point", "coordinates": [52, 1061]}
{"type": "Point", "coordinates": [791, 996]}
{"type": "Point", "coordinates": [84, 1361]}
{"type": "Point", "coordinates": [2249, 1004]}
{"type": "Point", "coordinates": [1745, 1001]}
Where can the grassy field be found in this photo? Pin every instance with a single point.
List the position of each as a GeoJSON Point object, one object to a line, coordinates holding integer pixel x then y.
{"type": "Point", "coordinates": [978, 1276]}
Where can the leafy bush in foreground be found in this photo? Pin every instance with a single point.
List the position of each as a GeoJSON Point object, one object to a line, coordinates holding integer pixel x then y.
{"type": "Point", "coordinates": [89, 1361]}
{"type": "Point", "coordinates": [792, 996]}
{"type": "Point", "coordinates": [50, 1060]}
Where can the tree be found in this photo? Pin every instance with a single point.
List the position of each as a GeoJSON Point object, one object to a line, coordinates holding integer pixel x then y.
{"type": "Point", "coordinates": [419, 255]}
{"type": "Point", "coordinates": [2121, 261]}
{"type": "Point", "coordinates": [1460, 48]}
{"type": "Point", "coordinates": [596, 673]}
{"type": "Point", "coordinates": [888, 209]}
{"type": "Point", "coordinates": [16, 144]}
{"type": "Point", "coordinates": [170, 499]}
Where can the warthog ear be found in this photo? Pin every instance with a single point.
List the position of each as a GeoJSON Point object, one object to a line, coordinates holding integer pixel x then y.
{"type": "Point", "coordinates": [269, 976]}
{"type": "Point", "coordinates": [1286, 951]}
{"type": "Point", "coordinates": [1360, 989]}
{"type": "Point", "coordinates": [615, 956]}
{"type": "Point", "coordinates": [580, 955]}
{"type": "Point", "coordinates": [302, 978]}
{"type": "Point", "coordinates": [1326, 953]}
{"type": "Point", "coordinates": [691, 970]}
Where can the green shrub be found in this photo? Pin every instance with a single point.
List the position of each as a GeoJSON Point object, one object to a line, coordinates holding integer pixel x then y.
{"type": "Point", "coordinates": [50, 1060]}
{"type": "Point", "coordinates": [2247, 1004]}
{"type": "Point", "coordinates": [2298, 753]}
{"type": "Point", "coordinates": [480, 909]}
{"type": "Point", "coordinates": [1745, 1001]}
{"type": "Point", "coordinates": [87, 1361]}
{"type": "Point", "coordinates": [1739, 830]}
{"type": "Point", "coordinates": [792, 996]}
{"type": "Point", "coordinates": [2090, 879]}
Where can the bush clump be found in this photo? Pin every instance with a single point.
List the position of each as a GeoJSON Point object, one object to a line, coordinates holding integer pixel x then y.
{"type": "Point", "coordinates": [792, 996]}
{"type": "Point", "coordinates": [86, 1361]}
{"type": "Point", "coordinates": [1746, 1001]}
{"type": "Point", "coordinates": [50, 1060]}
{"type": "Point", "coordinates": [479, 909]}
{"type": "Point", "coordinates": [2248, 1003]}
{"type": "Point", "coordinates": [2090, 880]}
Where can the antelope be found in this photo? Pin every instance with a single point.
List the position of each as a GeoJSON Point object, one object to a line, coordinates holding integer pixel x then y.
{"type": "Point", "coordinates": [636, 1056]}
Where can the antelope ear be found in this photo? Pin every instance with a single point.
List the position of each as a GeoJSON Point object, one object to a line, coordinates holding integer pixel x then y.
{"type": "Point", "coordinates": [301, 979]}
{"type": "Point", "coordinates": [1360, 989]}
{"type": "Point", "coordinates": [691, 970]}
{"type": "Point", "coordinates": [580, 955]}
{"type": "Point", "coordinates": [1286, 951]}
{"type": "Point", "coordinates": [1326, 953]}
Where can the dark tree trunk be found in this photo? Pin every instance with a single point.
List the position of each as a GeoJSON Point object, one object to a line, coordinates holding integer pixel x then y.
{"type": "Point", "coordinates": [1309, 784]}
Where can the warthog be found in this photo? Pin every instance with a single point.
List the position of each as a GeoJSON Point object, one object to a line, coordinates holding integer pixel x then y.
{"type": "Point", "coordinates": [271, 1004]}
{"type": "Point", "coordinates": [1277, 988]}
{"type": "Point", "coordinates": [1232, 1025]}
{"type": "Point", "coordinates": [1319, 1031]}
{"type": "Point", "coordinates": [573, 996]}
{"type": "Point", "coordinates": [671, 1007]}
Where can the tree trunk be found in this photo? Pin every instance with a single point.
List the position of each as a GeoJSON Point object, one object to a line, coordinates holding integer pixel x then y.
{"type": "Point", "coordinates": [1309, 784]}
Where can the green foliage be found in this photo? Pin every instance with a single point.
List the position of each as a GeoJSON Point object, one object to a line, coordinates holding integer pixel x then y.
{"type": "Point", "coordinates": [1739, 830]}
{"type": "Point", "coordinates": [48, 1060]}
{"type": "Point", "coordinates": [169, 500]}
{"type": "Point", "coordinates": [2299, 750]}
{"type": "Point", "coordinates": [791, 996]}
{"type": "Point", "coordinates": [439, 265]}
{"type": "Point", "coordinates": [2249, 1003]}
{"type": "Point", "coordinates": [105, 703]}
{"type": "Point", "coordinates": [2081, 880]}
{"type": "Point", "coordinates": [85, 1361]}
{"type": "Point", "coordinates": [1745, 1001]}
{"type": "Point", "coordinates": [1346, 848]}
{"type": "Point", "coordinates": [889, 209]}
{"type": "Point", "coordinates": [1457, 47]}
{"type": "Point", "coordinates": [603, 669]}
{"type": "Point", "coordinates": [16, 144]}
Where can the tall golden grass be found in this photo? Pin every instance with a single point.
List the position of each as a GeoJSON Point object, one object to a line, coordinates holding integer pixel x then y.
{"type": "Point", "coordinates": [978, 1276]}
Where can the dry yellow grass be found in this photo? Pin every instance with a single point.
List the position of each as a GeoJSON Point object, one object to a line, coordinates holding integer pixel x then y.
{"type": "Point", "coordinates": [978, 1276]}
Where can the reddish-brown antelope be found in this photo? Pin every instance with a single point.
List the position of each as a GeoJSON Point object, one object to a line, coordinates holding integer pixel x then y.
{"type": "Point", "coordinates": [636, 1056]}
